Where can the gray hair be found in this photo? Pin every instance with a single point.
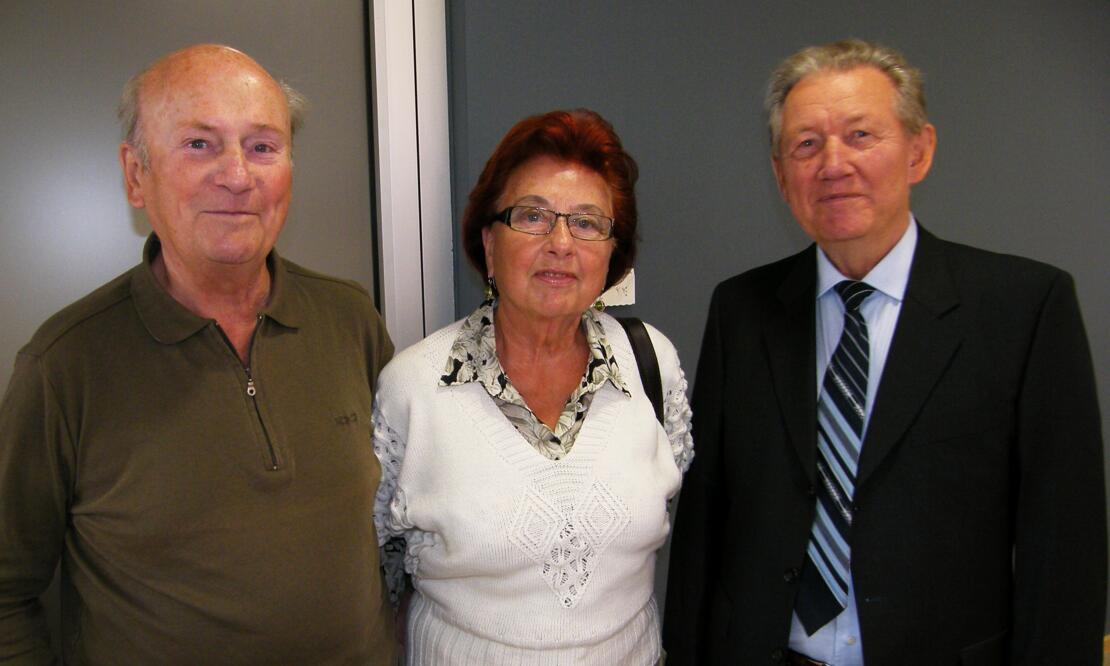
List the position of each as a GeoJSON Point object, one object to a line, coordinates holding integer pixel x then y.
{"type": "Point", "coordinates": [128, 112]}
{"type": "Point", "coordinates": [843, 56]}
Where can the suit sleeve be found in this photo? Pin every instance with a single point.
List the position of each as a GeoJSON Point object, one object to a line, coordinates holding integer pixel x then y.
{"type": "Point", "coordinates": [692, 563]}
{"type": "Point", "coordinates": [1060, 523]}
{"type": "Point", "coordinates": [34, 468]}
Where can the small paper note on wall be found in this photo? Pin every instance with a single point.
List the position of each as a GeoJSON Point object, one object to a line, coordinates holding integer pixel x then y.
{"type": "Point", "coordinates": [623, 292]}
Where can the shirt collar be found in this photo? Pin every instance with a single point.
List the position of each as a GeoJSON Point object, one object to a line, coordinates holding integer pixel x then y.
{"type": "Point", "coordinates": [889, 276]}
{"type": "Point", "coordinates": [473, 355]}
{"type": "Point", "coordinates": [169, 322]}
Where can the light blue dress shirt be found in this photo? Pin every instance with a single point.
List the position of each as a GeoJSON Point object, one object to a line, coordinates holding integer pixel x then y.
{"type": "Point", "coordinates": [839, 642]}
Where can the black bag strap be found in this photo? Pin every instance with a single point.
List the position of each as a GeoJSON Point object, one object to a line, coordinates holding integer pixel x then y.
{"type": "Point", "coordinates": [646, 360]}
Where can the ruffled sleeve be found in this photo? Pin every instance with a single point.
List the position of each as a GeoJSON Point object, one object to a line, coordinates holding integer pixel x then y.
{"type": "Point", "coordinates": [676, 421]}
{"type": "Point", "coordinates": [389, 447]}
{"type": "Point", "coordinates": [676, 406]}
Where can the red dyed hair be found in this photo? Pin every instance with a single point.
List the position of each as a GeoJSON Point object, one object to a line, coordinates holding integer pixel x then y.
{"type": "Point", "coordinates": [580, 136]}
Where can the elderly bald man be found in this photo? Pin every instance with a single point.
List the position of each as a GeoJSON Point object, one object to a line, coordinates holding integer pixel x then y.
{"type": "Point", "coordinates": [192, 440]}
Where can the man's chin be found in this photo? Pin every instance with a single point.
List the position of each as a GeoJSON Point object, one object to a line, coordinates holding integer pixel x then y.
{"type": "Point", "coordinates": [233, 254]}
{"type": "Point", "coordinates": [245, 245]}
{"type": "Point", "coordinates": [839, 229]}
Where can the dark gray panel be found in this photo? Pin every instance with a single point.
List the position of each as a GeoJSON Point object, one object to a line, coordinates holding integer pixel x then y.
{"type": "Point", "coordinates": [1018, 91]}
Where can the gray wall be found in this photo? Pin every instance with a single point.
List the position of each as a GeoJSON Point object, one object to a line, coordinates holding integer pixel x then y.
{"type": "Point", "coordinates": [65, 226]}
{"type": "Point", "coordinates": [1018, 91]}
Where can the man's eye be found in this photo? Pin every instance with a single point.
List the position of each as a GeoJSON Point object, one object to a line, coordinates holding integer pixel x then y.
{"type": "Point", "coordinates": [198, 144]}
{"type": "Point", "coordinates": [805, 148]}
{"type": "Point", "coordinates": [806, 145]}
{"type": "Point", "coordinates": [264, 148]}
{"type": "Point", "coordinates": [864, 138]}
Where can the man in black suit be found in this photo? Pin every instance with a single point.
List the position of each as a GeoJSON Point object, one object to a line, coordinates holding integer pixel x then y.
{"type": "Point", "coordinates": [899, 448]}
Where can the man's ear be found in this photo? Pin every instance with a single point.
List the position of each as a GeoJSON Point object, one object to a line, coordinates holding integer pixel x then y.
{"type": "Point", "coordinates": [132, 165]}
{"type": "Point", "coordinates": [922, 146]}
{"type": "Point", "coordinates": [780, 177]}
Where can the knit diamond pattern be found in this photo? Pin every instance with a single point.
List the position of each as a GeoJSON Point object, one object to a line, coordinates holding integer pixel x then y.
{"type": "Point", "coordinates": [567, 548]}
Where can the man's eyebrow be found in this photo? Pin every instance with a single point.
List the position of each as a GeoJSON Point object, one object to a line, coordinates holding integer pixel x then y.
{"type": "Point", "coordinates": [796, 129]}
{"type": "Point", "coordinates": [811, 127]}
{"type": "Point", "coordinates": [254, 128]}
{"type": "Point", "coordinates": [266, 127]}
{"type": "Point", "coordinates": [198, 125]}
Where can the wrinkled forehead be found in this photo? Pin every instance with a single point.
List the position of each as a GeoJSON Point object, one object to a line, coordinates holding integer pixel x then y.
{"type": "Point", "coordinates": [860, 89]}
{"type": "Point", "coordinates": [216, 74]}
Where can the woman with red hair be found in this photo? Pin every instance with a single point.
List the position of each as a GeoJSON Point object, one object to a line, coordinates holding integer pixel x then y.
{"type": "Point", "coordinates": [523, 464]}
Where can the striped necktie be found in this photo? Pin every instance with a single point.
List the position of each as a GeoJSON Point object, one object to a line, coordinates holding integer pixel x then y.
{"type": "Point", "coordinates": [841, 409]}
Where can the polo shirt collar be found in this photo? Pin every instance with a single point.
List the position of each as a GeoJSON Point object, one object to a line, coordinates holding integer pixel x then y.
{"type": "Point", "coordinates": [287, 303]}
{"type": "Point", "coordinates": [169, 322]}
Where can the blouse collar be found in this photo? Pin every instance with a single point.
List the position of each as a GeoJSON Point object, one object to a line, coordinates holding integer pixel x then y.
{"type": "Point", "coordinates": [473, 356]}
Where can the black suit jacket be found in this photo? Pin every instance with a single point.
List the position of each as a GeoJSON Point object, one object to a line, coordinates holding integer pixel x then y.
{"type": "Point", "coordinates": [979, 534]}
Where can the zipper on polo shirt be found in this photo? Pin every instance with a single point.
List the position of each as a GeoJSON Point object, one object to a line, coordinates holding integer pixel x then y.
{"type": "Point", "coordinates": [252, 390]}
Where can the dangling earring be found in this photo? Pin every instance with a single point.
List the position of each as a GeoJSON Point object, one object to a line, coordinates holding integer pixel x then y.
{"type": "Point", "coordinates": [599, 305]}
{"type": "Point", "coordinates": [491, 288]}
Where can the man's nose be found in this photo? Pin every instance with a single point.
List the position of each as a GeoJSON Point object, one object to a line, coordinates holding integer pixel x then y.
{"type": "Point", "coordinates": [234, 171]}
{"type": "Point", "coordinates": [834, 159]}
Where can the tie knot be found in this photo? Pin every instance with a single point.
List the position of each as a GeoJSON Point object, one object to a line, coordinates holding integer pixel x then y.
{"type": "Point", "coordinates": [853, 293]}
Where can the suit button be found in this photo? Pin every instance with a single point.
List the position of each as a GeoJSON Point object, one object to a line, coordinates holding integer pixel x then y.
{"type": "Point", "coordinates": [778, 655]}
{"type": "Point", "coordinates": [855, 507]}
{"type": "Point", "coordinates": [811, 491]}
{"type": "Point", "coordinates": [790, 575]}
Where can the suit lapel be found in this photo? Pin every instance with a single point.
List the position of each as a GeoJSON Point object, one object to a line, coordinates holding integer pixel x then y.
{"type": "Point", "coordinates": [789, 340]}
{"type": "Point", "coordinates": [924, 341]}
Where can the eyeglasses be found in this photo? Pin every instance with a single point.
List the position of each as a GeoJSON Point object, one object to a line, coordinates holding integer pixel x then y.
{"type": "Point", "coordinates": [541, 221]}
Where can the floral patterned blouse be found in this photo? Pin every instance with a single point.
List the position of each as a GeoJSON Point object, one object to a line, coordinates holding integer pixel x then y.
{"type": "Point", "coordinates": [473, 358]}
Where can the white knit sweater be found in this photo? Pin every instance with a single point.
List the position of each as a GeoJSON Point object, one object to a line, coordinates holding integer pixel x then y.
{"type": "Point", "coordinates": [516, 558]}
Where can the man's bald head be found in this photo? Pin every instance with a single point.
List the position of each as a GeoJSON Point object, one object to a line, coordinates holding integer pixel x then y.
{"type": "Point", "coordinates": [161, 76]}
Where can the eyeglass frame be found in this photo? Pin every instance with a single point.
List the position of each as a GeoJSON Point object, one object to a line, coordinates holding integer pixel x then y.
{"type": "Point", "coordinates": [504, 215]}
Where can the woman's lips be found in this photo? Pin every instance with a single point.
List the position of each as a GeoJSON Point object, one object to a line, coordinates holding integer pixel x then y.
{"type": "Point", "coordinates": [556, 277]}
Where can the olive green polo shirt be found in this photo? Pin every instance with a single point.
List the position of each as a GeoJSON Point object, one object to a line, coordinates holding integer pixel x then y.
{"type": "Point", "coordinates": [204, 512]}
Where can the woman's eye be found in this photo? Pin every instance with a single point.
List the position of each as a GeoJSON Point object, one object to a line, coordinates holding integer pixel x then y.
{"type": "Point", "coordinates": [198, 144]}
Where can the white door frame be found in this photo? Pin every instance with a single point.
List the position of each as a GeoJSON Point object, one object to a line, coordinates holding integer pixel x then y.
{"type": "Point", "coordinates": [412, 166]}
